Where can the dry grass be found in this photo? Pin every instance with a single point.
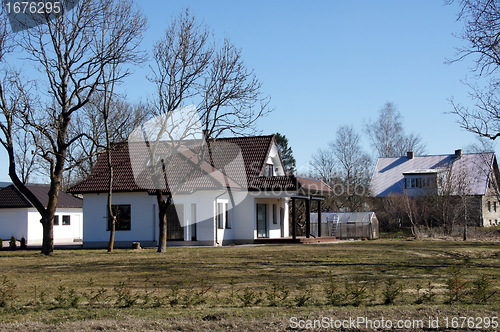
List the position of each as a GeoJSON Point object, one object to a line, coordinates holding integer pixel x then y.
{"type": "Point", "coordinates": [146, 272]}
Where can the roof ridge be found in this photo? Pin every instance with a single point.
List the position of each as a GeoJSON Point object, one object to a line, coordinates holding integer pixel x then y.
{"type": "Point", "coordinates": [438, 155]}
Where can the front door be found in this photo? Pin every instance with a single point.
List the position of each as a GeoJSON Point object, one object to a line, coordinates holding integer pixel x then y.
{"type": "Point", "coordinates": [262, 220]}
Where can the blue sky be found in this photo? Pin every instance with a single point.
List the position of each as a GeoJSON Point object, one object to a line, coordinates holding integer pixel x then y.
{"type": "Point", "coordinates": [331, 63]}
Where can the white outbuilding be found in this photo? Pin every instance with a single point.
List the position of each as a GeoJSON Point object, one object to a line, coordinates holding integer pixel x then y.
{"type": "Point", "coordinates": [19, 218]}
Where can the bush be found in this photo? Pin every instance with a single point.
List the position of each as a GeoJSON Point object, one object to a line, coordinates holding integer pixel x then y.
{"type": "Point", "coordinates": [249, 297]}
{"type": "Point", "coordinates": [391, 291]}
{"type": "Point", "coordinates": [356, 290]}
{"type": "Point", "coordinates": [455, 286]}
{"type": "Point", "coordinates": [12, 243]}
{"type": "Point", "coordinates": [333, 294]}
{"type": "Point", "coordinates": [277, 295]}
{"type": "Point", "coordinates": [481, 290]}
{"type": "Point", "coordinates": [7, 291]}
{"type": "Point", "coordinates": [23, 243]}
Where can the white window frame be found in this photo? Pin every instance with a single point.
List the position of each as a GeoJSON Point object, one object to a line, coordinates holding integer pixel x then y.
{"type": "Point", "coordinates": [225, 214]}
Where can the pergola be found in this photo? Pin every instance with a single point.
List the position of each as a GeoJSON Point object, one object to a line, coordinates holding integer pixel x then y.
{"type": "Point", "coordinates": [308, 190]}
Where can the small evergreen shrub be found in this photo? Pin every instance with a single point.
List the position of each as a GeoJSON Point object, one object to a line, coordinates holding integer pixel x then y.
{"type": "Point", "coordinates": [392, 290]}
{"type": "Point", "coordinates": [23, 243]}
{"type": "Point", "coordinates": [481, 289]}
{"type": "Point", "coordinates": [12, 243]}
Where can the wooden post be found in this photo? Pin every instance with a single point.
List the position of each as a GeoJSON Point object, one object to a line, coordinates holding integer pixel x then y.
{"type": "Point", "coordinates": [294, 221]}
{"type": "Point", "coordinates": [308, 218]}
{"type": "Point", "coordinates": [319, 218]}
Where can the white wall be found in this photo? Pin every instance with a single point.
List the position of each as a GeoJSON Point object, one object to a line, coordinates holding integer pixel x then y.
{"type": "Point", "coordinates": [95, 220]}
{"type": "Point", "coordinates": [274, 159]}
{"type": "Point", "coordinates": [26, 222]}
{"type": "Point", "coordinates": [274, 228]}
{"type": "Point", "coordinates": [62, 233]}
{"type": "Point", "coordinates": [144, 217]}
{"type": "Point", "coordinates": [13, 222]}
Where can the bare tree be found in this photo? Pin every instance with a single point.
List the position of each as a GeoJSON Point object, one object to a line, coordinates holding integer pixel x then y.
{"type": "Point", "coordinates": [122, 119]}
{"type": "Point", "coordinates": [481, 145]}
{"type": "Point", "coordinates": [191, 69]}
{"type": "Point", "coordinates": [346, 168]}
{"type": "Point", "coordinates": [481, 34]}
{"type": "Point", "coordinates": [72, 50]}
{"type": "Point", "coordinates": [388, 137]}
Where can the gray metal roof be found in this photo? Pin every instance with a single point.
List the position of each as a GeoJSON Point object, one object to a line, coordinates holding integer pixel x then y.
{"type": "Point", "coordinates": [473, 169]}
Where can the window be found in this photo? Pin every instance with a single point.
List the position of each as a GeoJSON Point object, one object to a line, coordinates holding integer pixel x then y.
{"type": "Point", "coordinates": [275, 214]}
{"type": "Point", "coordinates": [56, 220]}
{"type": "Point", "coordinates": [222, 216]}
{"type": "Point", "coordinates": [495, 206]}
{"type": "Point", "coordinates": [193, 222]}
{"type": "Point", "coordinates": [489, 206]}
{"type": "Point", "coordinates": [228, 220]}
{"type": "Point", "coordinates": [66, 220]}
{"type": "Point", "coordinates": [175, 222]}
{"type": "Point", "coordinates": [269, 170]}
{"type": "Point", "coordinates": [122, 213]}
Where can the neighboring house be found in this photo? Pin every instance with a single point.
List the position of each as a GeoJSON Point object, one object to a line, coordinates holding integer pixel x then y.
{"type": "Point", "coordinates": [204, 212]}
{"type": "Point", "coordinates": [18, 217]}
{"type": "Point", "coordinates": [475, 176]}
{"type": "Point", "coordinates": [347, 225]}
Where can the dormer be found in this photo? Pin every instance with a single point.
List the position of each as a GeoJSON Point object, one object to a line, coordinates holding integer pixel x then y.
{"type": "Point", "coordinates": [273, 165]}
{"type": "Point", "coordinates": [422, 180]}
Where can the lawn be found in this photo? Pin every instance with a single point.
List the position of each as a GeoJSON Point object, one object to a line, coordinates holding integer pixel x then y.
{"type": "Point", "coordinates": [250, 287]}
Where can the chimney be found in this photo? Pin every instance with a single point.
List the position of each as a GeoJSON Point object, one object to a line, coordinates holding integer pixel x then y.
{"type": "Point", "coordinates": [205, 134]}
{"type": "Point", "coordinates": [458, 153]}
{"type": "Point", "coordinates": [410, 154]}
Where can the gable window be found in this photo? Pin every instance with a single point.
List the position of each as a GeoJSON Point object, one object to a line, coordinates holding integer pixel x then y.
{"type": "Point", "coordinates": [56, 220]}
{"type": "Point", "coordinates": [122, 213]}
{"type": "Point", "coordinates": [269, 170]}
{"type": "Point", "coordinates": [66, 220]}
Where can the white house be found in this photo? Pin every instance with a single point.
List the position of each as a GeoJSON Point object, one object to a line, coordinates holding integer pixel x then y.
{"type": "Point", "coordinates": [19, 218]}
{"type": "Point", "coordinates": [233, 202]}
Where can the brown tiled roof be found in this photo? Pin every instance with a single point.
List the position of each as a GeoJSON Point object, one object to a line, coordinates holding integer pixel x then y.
{"type": "Point", "coordinates": [313, 186]}
{"type": "Point", "coordinates": [254, 152]}
{"type": "Point", "coordinates": [11, 197]}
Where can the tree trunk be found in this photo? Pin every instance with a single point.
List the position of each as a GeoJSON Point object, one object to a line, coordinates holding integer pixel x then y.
{"type": "Point", "coordinates": [162, 240]}
{"type": "Point", "coordinates": [48, 235]}
{"type": "Point", "coordinates": [111, 213]}
{"type": "Point", "coordinates": [111, 243]}
{"type": "Point", "coordinates": [162, 207]}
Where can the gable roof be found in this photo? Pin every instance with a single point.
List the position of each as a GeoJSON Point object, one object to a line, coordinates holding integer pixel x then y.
{"type": "Point", "coordinates": [11, 197]}
{"type": "Point", "coordinates": [254, 153]}
{"type": "Point", "coordinates": [388, 176]}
